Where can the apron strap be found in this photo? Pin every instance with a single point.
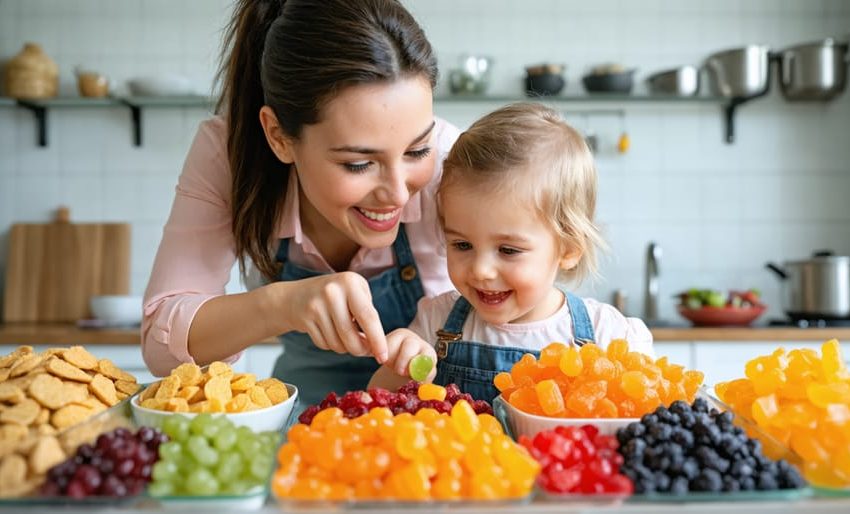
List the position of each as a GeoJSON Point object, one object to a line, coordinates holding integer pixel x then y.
{"type": "Point", "coordinates": [582, 326]}
{"type": "Point", "coordinates": [453, 329]}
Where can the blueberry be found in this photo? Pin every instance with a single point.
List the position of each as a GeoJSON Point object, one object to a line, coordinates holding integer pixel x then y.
{"type": "Point", "coordinates": [682, 437]}
{"type": "Point", "coordinates": [755, 446]}
{"type": "Point", "coordinates": [700, 405]}
{"type": "Point", "coordinates": [748, 484]}
{"type": "Point", "coordinates": [741, 469]}
{"type": "Point", "coordinates": [635, 448]}
{"type": "Point", "coordinates": [688, 419]}
{"type": "Point", "coordinates": [634, 430]}
{"type": "Point", "coordinates": [662, 481]}
{"type": "Point", "coordinates": [680, 407]}
{"type": "Point", "coordinates": [644, 486]}
{"type": "Point", "coordinates": [730, 484]}
{"type": "Point", "coordinates": [661, 432]}
{"type": "Point", "coordinates": [679, 485]}
{"type": "Point", "coordinates": [690, 469]}
{"type": "Point", "coordinates": [648, 420]}
{"type": "Point", "coordinates": [767, 482]}
{"type": "Point", "coordinates": [724, 421]}
{"type": "Point", "coordinates": [707, 480]}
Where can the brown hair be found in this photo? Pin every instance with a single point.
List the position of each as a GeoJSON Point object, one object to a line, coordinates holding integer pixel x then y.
{"type": "Point", "coordinates": [295, 56]}
{"type": "Point", "coordinates": [529, 149]}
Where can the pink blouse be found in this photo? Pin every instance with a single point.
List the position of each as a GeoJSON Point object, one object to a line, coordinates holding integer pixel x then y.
{"type": "Point", "coordinates": [197, 251]}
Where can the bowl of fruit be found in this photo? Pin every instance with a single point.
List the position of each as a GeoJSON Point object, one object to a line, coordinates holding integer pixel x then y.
{"type": "Point", "coordinates": [261, 405]}
{"type": "Point", "coordinates": [712, 308]}
{"type": "Point", "coordinates": [522, 423]}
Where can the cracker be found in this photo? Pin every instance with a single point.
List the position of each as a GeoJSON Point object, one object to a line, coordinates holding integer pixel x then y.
{"type": "Point", "coordinates": [107, 368]}
{"type": "Point", "coordinates": [188, 392]}
{"type": "Point", "coordinates": [121, 396]}
{"type": "Point", "coordinates": [79, 357]}
{"type": "Point", "coordinates": [239, 403]}
{"type": "Point", "coordinates": [242, 382]}
{"type": "Point", "coordinates": [153, 403]}
{"type": "Point", "coordinates": [218, 388]}
{"type": "Point", "coordinates": [197, 408]}
{"type": "Point", "coordinates": [23, 413]}
{"type": "Point", "coordinates": [4, 374]}
{"type": "Point", "coordinates": [13, 470]}
{"type": "Point", "coordinates": [190, 374]}
{"type": "Point", "coordinates": [46, 429]}
{"type": "Point", "coordinates": [62, 369]}
{"type": "Point", "coordinates": [104, 389]}
{"type": "Point", "coordinates": [11, 393]}
{"type": "Point", "coordinates": [42, 418]}
{"type": "Point", "coordinates": [46, 454]}
{"type": "Point", "coordinates": [23, 365]}
{"type": "Point", "coordinates": [275, 390]}
{"type": "Point", "coordinates": [219, 368]}
{"type": "Point", "coordinates": [7, 361]}
{"type": "Point", "coordinates": [149, 392]}
{"type": "Point", "coordinates": [259, 397]}
{"type": "Point", "coordinates": [49, 391]}
{"type": "Point", "coordinates": [126, 387]}
{"type": "Point", "coordinates": [12, 432]}
{"type": "Point", "coordinates": [69, 416]}
{"type": "Point", "coordinates": [93, 403]}
{"type": "Point", "coordinates": [176, 405]}
{"type": "Point", "coordinates": [168, 387]}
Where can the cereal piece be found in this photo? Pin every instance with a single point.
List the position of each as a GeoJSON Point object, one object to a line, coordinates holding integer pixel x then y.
{"type": "Point", "coordinates": [168, 387]}
{"type": "Point", "coordinates": [76, 391]}
{"type": "Point", "coordinates": [13, 469]}
{"type": "Point", "coordinates": [46, 454]}
{"type": "Point", "coordinates": [49, 391]}
{"type": "Point", "coordinates": [242, 382]}
{"type": "Point", "coordinates": [218, 388]}
{"type": "Point", "coordinates": [62, 369]}
{"type": "Point", "coordinates": [259, 397]}
{"type": "Point", "coordinates": [42, 418]}
{"type": "Point", "coordinates": [93, 403]}
{"type": "Point", "coordinates": [275, 390]}
{"type": "Point", "coordinates": [126, 387]}
{"type": "Point", "coordinates": [79, 357]}
{"type": "Point", "coordinates": [104, 389]}
{"type": "Point", "coordinates": [217, 405]}
{"type": "Point", "coordinates": [47, 428]}
{"type": "Point", "coordinates": [23, 413]}
{"type": "Point", "coordinates": [200, 407]}
{"type": "Point", "coordinates": [25, 364]}
{"type": "Point", "coordinates": [188, 392]}
{"type": "Point", "coordinates": [4, 374]}
{"type": "Point", "coordinates": [149, 392]}
{"type": "Point", "coordinates": [70, 415]}
{"type": "Point", "coordinates": [240, 403]}
{"type": "Point", "coordinates": [219, 368]}
{"type": "Point", "coordinates": [190, 374]}
{"type": "Point", "coordinates": [12, 432]}
{"type": "Point", "coordinates": [11, 393]}
{"type": "Point", "coordinates": [154, 403]}
{"type": "Point", "coordinates": [108, 369]}
{"type": "Point", "coordinates": [8, 361]}
{"type": "Point", "coordinates": [176, 405]}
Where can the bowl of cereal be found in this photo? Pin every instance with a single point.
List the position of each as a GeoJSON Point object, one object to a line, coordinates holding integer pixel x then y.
{"type": "Point", "coordinates": [189, 390]}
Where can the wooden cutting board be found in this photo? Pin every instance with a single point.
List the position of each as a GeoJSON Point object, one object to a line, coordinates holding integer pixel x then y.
{"type": "Point", "coordinates": [54, 268]}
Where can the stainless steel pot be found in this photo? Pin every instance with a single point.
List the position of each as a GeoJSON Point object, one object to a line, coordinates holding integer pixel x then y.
{"type": "Point", "coordinates": [739, 73]}
{"type": "Point", "coordinates": [681, 81]}
{"type": "Point", "coordinates": [813, 71]}
{"type": "Point", "coordinates": [816, 288]}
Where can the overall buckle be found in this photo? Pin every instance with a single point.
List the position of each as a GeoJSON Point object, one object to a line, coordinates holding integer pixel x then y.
{"type": "Point", "coordinates": [444, 337]}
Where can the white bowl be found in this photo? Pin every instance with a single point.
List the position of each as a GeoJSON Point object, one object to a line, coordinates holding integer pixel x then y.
{"type": "Point", "coordinates": [117, 309]}
{"type": "Point", "coordinates": [521, 423]}
{"type": "Point", "coordinates": [161, 85]}
{"type": "Point", "coordinates": [272, 418]}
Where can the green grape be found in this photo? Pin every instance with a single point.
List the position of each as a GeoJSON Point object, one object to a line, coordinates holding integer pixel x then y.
{"type": "Point", "coordinates": [245, 433]}
{"type": "Point", "coordinates": [249, 447]}
{"type": "Point", "coordinates": [201, 482]}
{"type": "Point", "coordinates": [261, 467]}
{"type": "Point", "coordinates": [165, 471]}
{"type": "Point", "coordinates": [161, 489]}
{"type": "Point", "coordinates": [201, 451]}
{"type": "Point", "coordinates": [238, 487]}
{"type": "Point", "coordinates": [176, 427]}
{"type": "Point", "coordinates": [200, 422]}
{"type": "Point", "coordinates": [420, 366]}
{"type": "Point", "coordinates": [225, 439]}
{"type": "Point", "coordinates": [229, 467]}
{"type": "Point", "coordinates": [170, 451]}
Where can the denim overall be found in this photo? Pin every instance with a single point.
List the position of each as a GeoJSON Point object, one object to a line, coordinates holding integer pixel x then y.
{"type": "Point", "coordinates": [473, 365]}
{"type": "Point", "coordinates": [316, 372]}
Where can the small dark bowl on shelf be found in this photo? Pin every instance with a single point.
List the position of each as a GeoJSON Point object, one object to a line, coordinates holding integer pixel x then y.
{"type": "Point", "coordinates": [545, 84]}
{"type": "Point", "coordinates": [619, 82]}
{"type": "Point", "coordinates": [722, 316]}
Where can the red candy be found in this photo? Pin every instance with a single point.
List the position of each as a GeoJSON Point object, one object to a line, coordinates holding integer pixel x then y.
{"type": "Point", "coordinates": [578, 461]}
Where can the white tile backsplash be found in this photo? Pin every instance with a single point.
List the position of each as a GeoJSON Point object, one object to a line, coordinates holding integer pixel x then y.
{"type": "Point", "coordinates": [719, 211]}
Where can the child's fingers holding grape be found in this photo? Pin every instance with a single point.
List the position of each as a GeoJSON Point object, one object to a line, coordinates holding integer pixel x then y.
{"type": "Point", "coordinates": [406, 348]}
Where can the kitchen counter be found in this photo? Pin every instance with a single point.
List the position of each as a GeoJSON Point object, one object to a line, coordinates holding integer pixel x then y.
{"type": "Point", "coordinates": [70, 334]}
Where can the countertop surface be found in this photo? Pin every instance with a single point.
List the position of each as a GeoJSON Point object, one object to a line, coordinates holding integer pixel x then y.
{"type": "Point", "coordinates": [70, 334]}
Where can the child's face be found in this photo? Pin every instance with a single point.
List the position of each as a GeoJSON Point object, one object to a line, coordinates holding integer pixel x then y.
{"type": "Point", "coordinates": [502, 257]}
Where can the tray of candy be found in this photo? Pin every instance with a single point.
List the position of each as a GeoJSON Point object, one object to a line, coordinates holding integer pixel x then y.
{"type": "Point", "coordinates": [779, 495]}
{"type": "Point", "coordinates": [427, 505]}
{"type": "Point", "coordinates": [252, 500]}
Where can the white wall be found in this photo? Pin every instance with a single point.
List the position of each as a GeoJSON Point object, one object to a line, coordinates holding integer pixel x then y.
{"type": "Point", "coordinates": [719, 211]}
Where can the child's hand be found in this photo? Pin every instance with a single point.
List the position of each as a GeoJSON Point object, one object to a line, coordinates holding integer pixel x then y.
{"type": "Point", "coordinates": [403, 345]}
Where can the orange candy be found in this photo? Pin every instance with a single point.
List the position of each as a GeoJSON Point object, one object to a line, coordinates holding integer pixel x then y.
{"type": "Point", "coordinates": [587, 381]}
{"type": "Point", "coordinates": [802, 400]}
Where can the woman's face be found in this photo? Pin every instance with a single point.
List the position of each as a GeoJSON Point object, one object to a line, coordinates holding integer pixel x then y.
{"type": "Point", "coordinates": [358, 167]}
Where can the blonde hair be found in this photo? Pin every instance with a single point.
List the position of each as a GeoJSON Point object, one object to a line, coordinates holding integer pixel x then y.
{"type": "Point", "coordinates": [529, 148]}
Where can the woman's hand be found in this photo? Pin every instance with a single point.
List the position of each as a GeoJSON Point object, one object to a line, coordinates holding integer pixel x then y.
{"type": "Point", "coordinates": [336, 311]}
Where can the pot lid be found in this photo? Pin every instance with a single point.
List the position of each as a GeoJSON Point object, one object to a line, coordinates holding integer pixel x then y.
{"type": "Point", "coordinates": [823, 257]}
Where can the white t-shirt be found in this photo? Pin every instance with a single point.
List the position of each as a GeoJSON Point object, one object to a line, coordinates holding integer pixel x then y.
{"type": "Point", "coordinates": [608, 323]}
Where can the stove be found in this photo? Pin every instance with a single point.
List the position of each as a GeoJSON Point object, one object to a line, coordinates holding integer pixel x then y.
{"type": "Point", "coordinates": [808, 322]}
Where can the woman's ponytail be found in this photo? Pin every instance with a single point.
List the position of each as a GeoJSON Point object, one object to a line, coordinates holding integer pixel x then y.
{"type": "Point", "coordinates": [255, 204]}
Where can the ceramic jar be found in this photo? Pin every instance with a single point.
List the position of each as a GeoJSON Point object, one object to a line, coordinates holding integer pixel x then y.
{"type": "Point", "coordinates": [31, 74]}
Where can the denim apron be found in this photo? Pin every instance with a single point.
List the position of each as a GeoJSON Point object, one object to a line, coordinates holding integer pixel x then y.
{"type": "Point", "coordinates": [316, 372]}
{"type": "Point", "coordinates": [473, 365]}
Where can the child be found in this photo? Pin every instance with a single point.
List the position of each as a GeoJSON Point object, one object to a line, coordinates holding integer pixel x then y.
{"type": "Point", "coordinates": [516, 203]}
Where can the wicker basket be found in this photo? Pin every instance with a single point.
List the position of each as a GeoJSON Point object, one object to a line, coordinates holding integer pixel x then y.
{"type": "Point", "coordinates": [31, 74]}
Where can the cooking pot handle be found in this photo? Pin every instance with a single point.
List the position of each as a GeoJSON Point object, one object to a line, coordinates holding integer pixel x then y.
{"type": "Point", "coordinates": [823, 253]}
{"type": "Point", "coordinates": [776, 269]}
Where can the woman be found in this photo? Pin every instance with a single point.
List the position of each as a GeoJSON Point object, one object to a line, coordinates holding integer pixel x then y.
{"type": "Point", "coordinates": [319, 173]}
